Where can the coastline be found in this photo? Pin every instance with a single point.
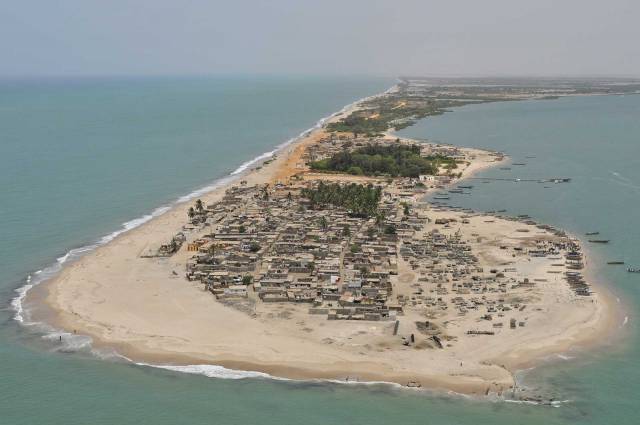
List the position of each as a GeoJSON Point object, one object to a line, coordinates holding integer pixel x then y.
{"type": "Point", "coordinates": [52, 270]}
{"type": "Point", "coordinates": [162, 224]}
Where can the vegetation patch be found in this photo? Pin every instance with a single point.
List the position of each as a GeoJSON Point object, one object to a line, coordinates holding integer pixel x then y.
{"type": "Point", "coordinates": [358, 199]}
{"type": "Point", "coordinates": [386, 112]}
{"type": "Point", "coordinates": [376, 159]}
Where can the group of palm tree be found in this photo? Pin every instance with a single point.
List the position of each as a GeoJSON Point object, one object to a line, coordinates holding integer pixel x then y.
{"type": "Point", "coordinates": [360, 200]}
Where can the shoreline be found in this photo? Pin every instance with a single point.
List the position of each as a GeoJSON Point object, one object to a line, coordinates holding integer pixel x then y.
{"type": "Point", "coordinates": [50, 271]}
{"type": "Point", "coordinates": [255, 170]}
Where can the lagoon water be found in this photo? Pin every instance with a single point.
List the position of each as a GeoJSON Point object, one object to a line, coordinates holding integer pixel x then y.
{"type": "Point", "coordinates": [79, 158]}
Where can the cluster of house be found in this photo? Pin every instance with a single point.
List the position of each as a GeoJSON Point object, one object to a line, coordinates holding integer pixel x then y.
{"type": "Point", "coordinates": [267, 243]}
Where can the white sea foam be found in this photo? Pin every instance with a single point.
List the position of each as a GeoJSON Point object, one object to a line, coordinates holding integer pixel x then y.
{"type": "Point", "coordinates": [564, 357]}
{"type": "Point", "coordinates": [555, 403]}
{"type": "Point", "coordinates": [68, 342]}
{"type": "Point", "coordinates": [221, 372]}
{"type": "Point", "coordinates": [16, 303]}
{"type": "Point", "coordinates": [213, 371]}
{"type": "Point", "coordinates": [624, 181]}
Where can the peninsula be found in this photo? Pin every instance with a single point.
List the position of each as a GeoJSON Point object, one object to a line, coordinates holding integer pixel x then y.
{"type": "Point", "coordinates": [328, 262]}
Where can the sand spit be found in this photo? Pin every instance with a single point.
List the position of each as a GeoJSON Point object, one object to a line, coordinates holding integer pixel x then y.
{"type": "Point", "coordinates": [146, 310]}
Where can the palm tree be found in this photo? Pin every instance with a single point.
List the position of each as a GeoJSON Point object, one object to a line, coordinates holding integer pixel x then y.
{"type": "Point", "coordinates": [407, 209]}
{"type": "Point", "coordinates": [191, 213]}
{"type": "Point", "coordinates": [379, 219]}
{"type": "Point", "coordinates": [199, 205]}
{"type": "Point", "coordinates": [323, 223]}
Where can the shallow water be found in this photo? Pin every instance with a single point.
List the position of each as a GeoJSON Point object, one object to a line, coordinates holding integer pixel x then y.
{"type": "Point", "coordinates": [79, 158]}
{"type": "Point", "coordinates": [595, 141]}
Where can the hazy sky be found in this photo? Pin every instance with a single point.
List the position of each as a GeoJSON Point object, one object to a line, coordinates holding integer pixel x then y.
{"type": "Point", "coordinates": [417, 37]}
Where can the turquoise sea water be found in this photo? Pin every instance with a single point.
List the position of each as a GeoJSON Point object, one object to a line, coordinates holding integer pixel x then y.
{"type": "Point", "coordinates": [79, 158]}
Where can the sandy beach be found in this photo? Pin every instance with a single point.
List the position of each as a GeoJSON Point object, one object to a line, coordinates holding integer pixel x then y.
{"type": "Point", "coordinates": [147, 311]}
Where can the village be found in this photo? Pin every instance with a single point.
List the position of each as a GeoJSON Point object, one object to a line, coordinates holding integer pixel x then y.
{"type": "Point", "coordinates": [419, 267]}
{"type": "Point", "coordinates": [343, 255]}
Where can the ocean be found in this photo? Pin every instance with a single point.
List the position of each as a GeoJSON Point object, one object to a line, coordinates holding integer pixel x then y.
{"type": "Point", "coordinates": [84, 159]}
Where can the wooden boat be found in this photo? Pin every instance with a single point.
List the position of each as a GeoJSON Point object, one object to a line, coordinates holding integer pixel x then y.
{"type": "Point", "coordinates": [599, 240]}
{"type": "Point", "coordinates": [632, 270]}
{"type": "Point", "coordinates": [615, 263]}
{"type": "Point", "coordinates": [592, 233]}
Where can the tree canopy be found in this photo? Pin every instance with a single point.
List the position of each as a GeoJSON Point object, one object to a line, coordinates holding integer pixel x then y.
{"type": "Point", "coordinates": [358, 199]}
{"type": "Point", "coordinates": [377, 159]}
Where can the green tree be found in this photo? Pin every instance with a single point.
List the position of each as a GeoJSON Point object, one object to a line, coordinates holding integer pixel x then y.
{"type": "Point", "coordinates": [406, 208]}
{"type": "Point", "coordinates": [359, 200]}
{"type": "Point", "coordinates": [382, 159]}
